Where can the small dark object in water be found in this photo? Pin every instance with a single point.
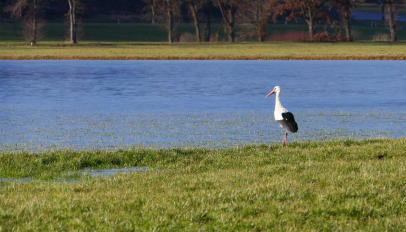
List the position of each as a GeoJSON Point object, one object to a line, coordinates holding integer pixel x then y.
{"type": "Point", "coordinates": [381, 156]}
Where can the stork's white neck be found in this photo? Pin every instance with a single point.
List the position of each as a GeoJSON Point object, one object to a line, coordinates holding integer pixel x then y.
{"type": "Point", "coordinates": [278, 104]}
{"type": "Point", "coordinates": [279, 109]}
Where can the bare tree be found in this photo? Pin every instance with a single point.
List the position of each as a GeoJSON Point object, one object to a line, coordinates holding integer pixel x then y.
{"type": "Point", "coordinates": [153, 11]}
{"type": "Point", "coordinates": [389, 6]}
{"type": "Point", "coordinates": [311, 11]}
{"type": "Point", "coordinates": [151, 6]}
{"type": "Point", "coordinates": [345, 8]}
{"type": "Point", "coordinates": [170, 9]}
{"type": "Point", "coordinates": [73, 24]}
{"type": "Point", "coordinates": [207, 11]}
{"type": "Point", "coordinates": [228, 9]}
{"type": "Point", "coordinates": [258, 12]}
{"type": "Point", "coordinates": [194, 7]}
{"type": "Point", "coordinates": [198, 9]}
{"type": "Point", "coordinates": [29, 11]}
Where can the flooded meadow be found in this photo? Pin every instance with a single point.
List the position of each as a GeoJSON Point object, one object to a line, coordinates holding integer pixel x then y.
{"type": "Point", "coordinates": [85, 105]}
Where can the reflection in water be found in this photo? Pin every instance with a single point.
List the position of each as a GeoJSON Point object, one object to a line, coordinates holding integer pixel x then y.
{"type": "Point", "coordinates": [111, 172]}
{"type": "Point", "coordinates": [112, 104]}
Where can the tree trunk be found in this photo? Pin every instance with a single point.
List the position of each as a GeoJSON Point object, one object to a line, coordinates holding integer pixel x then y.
{"type": "Point", "coordinates": [195, 20]}
{"type": "Point", "coordinates": [72, 21]}
{"type": "Point", "coordinates": [34, 24]}
{"type": "Point", "coordinates": [153, 11]}
{"type": "Point", "coordinates": [391, 22]}
{"type": "Point", "coordinates": [170, 25]}
{"type": "Point", "coordinates": [310, 24]}
{"type": "Point", "coordinates": [262, 30]}
{"type": "Point", "coordinates": [228, 18]}
{"type": "Point", "coordinates": [263, 13]}
{"type": "Point", "coordinates": [208, 26]}
{"type": "Point", "coordinates": [347, 26]}
{"type": "Point", "coordinates": [231, 31]}
{"type": "Point", "coordinates": [383, 11]}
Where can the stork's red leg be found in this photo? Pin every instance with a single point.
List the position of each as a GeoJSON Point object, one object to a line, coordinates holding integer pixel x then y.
{"type": "Point", "coordinates": [285, 138]}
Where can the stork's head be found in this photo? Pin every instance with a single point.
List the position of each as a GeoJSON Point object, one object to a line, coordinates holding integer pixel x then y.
{"type": "Point", "coordinates": [276, 90]}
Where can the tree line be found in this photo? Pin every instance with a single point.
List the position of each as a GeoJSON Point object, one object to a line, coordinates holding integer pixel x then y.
{"type": "Point", "coordinates": [335, 15]}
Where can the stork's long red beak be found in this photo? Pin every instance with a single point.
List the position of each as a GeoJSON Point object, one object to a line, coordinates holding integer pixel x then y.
{"type": "Point", "coordinates": [270, 93]}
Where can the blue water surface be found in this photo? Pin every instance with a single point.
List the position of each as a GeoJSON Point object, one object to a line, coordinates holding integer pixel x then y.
{"type": "Point", "coordinates": [120, 104]}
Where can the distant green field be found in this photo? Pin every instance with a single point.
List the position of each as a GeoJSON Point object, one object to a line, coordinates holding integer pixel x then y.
{"type": "Point", "coordinates": [253, 50]}
{"type": "Point", "coordinates": [343, 185]}
{"type": "Point", "coordinates": [138, 32]}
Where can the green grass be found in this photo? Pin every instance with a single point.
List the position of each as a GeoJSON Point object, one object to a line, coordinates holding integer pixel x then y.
{"type": "Point", "coordinates": [343, 185]}
{"type": "Point", "coordinates": [274, 50]}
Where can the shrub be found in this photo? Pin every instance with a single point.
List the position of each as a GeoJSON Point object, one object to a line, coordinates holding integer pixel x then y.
{"type": "Point", "coordinates": [187, 37]}
{"type": "Point", "coordinates": [294, 36]}
{"type": "Point", "coordinates": [381, 37]}
{"type": "Point", "coordinates": [322, 37]}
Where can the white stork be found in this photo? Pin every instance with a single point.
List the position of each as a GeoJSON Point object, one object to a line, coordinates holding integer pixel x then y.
{"type": "Point", "coordinates": [282, 115]}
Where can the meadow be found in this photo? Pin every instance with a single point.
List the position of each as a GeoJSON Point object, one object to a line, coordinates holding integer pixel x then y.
{"type": "Point", "coordinates": [337, 185]}
{"type": "Point", "coordinates": [207, 51]}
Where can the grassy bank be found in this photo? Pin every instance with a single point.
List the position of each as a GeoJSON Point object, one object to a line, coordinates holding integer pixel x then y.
{"type": "Point", "coordinates": [329, 186]}
{"type": "Point", "coordinates": [139, 51]}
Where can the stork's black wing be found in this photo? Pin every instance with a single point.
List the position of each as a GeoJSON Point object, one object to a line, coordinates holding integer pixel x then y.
{"type": "Point", "coordinates": [289, 122]}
